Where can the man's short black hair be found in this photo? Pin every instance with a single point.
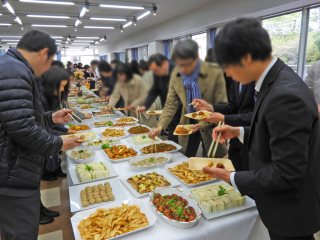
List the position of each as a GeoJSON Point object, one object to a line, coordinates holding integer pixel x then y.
{"type": "Point", "coordinates": [94, 62]}
{"type": "Point", "coordinates": [143, 65]}
{"type": "Point", "coordinates": [57, 63]}
{"type": "Point", "coordinates": [185, 49]}
{"type": "Point", "coordinates": [104, 67]}
{"type": "Point", "coordinates": [239, 38]}
{"type": "Point", "coordinates": [115, 61]}
{"type": "Point", "coordinates": [126, 69]}
{"type": "Point", "coordinates": [35, 41]}
{"type": "Point", "coordinates": [157, 58]}
{"type": "Point", "coordinates": [85, 67]}
{"type": "Point", "coordinates": [211, 56]}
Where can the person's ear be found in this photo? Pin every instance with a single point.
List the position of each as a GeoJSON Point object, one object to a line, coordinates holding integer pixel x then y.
{"type": "Point", "coordinates": [44, 54]}
{"type": "Point", "coordinates": [246, 60]}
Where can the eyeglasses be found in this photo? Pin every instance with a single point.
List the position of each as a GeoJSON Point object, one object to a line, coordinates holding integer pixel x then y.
{"type": "Point", "coordinates": [186, 63]}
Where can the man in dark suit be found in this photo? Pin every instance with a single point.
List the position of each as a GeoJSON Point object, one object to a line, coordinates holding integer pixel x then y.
{"type": "Point", "coordinates": [283, 139]}
{"type": "Point", "coordinates": [238, 112]}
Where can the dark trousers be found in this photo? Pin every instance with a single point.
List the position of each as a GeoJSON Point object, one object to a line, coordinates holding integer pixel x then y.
{"type": "Point", "coordinates": [277, 237]}
{"type": "Point", "coordinates": [19, 217]}
{"type": "Point", "coordinates": [193, 144]}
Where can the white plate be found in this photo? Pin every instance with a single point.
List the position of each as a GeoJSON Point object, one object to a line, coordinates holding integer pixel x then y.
{"type": "Point", "coordinates": [131, 140]}
{"type": "Point", "coordinates": [191, 202]}
{"type": "Point", "coordinates": [74, 192]}
{"type": "Point", "coordinates": [178, 147]}
{"type": "Point", "coordinates": [74, 176]}
{"type": "Point", "coordinates": [88, 160]}
{"type": "Point", "coordinates": [117, 128]}
{"type": "Point", "coordinates": [170, 179]}
{"type": "Point", "coordinates": [159, 165]}
{"type": "Point", "coordinates": [171, 165]}
{"type": "Point", "coordinates": [250, 203]}
{"type": "Point", "coordinates": [122, 159]}
{"type": "Point", "coordinates": [127, 129]}
{"type": "Point", "coordinates": [76, 219]}
{"type": "Point", "coordinates": [135, 120]}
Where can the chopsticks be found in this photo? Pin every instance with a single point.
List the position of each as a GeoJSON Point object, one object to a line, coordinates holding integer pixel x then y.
{"type": "Point", "coordinates": [214, 145]}
{"type": "Point", "coordinates": [75, 117]}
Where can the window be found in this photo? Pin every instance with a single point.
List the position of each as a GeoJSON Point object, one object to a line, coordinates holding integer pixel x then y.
{"type": "Point", "coordinates": [313, 42]}
{"type": "Point", "coordinates": [201, 39]}
{"type": "Point", "coordinates": [284, 32]}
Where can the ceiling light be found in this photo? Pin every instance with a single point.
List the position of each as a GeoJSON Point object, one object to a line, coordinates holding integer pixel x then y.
{"type": "Point", "coordinates": [103, 39]}
{"type": "Point", "coordinates": [121, 6]}
{"type": "Point", "coordinates": [7, 36]}
{"type": "Point", "coordinates": [87, 37]}
{"type": "Point", "coordinates": [18, 20]}
{"type": "Point", "coordinates": [98, 27]}
{"type": "Point", "coordinates": [78, 22]}
{"type": "Point", "coordinates": [5, 24]}
{"type": "Point", "coordinates": [7, 5]}
{"type": "Point", "coordinates": [56, 37]}
{"type": "Point", "coordinates": [97, 42]}
{"type": "Point", "coordinates": [127, 24]}
{"type": "Point", "coordinates": [47, 2]}
{"type": "Point", "coordinates": [10, 40]}
{"type": "Point", "coordinates": [12, 43]}
{"type": "Point", "coordinates": [0, 14]}
{"type": "Point", "coordinates": [49, 26]}
{"type": "Point", "coordinates": [143, 15]}
{"type": "Point", "coordinates": [109, 19]}
{"type": "Point", "coordinates": [83, 41]}
{"type": "Point", "coordinates": [48, 16]}
{"type": "Point", "coordinates": [154, 10]}
{"type": "Point", "coordinates": [83, 11]}
{"type": "Point", "coordinates": [75, 29]}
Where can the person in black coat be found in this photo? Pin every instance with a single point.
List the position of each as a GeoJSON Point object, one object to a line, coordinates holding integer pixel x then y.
{"type": "Point", "coordinates": [24, 139]}
{"type": "Point", "coordinates": [283, 139]}
{"type": "Point", "coordinates": [162, 69]}
{"type": "Point", "coordinates": [238, 112]}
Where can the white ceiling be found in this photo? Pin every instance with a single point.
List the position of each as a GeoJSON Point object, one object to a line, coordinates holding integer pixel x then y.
{"type": "Point", "coordinates": [167, 9]}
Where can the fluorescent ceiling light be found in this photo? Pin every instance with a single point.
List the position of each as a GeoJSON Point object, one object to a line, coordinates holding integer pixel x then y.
{"type": "Point", "coordinates": [7, 36]}
{"type": "Point", "coordinates": [98, 27]}
{"type": "Point", "coordinates": [87, 37]}
{"type": "Point", "coordinates": [109, 19]}
{"type": "Point", "coordinates": [9, 7]}
{"type": "Point", "coordinates": [49, 26]}
{"type": "Point", "coordinates": [18, 20]}
{"type": "Point", "coordinates": [5, 24]}
{"type": "Point", "coordinates": [0, 14]}
{"type": "Point", "coordinates": [143, 15]}
{"type": "Point", "coordinates": [57, 37]}
{"type": "Point", "coordinates": [47, 2]}
{"type": "Point", "coordinates": [77, 23]}
{"type": "Point", "coordinates": [83, 41]}
{"type": "Point", "coordinates": [10, 40]}
{"type": "Point", "coordinates": [48, 16]}
{"type": "Point", "coordinates": [127, 25]}
{"type": "Point", "coordinates": [12, 43]}
{"type": "Point", "coordinates": [121, 6]}
{"type": "Point", "coordinates": [83, 11]}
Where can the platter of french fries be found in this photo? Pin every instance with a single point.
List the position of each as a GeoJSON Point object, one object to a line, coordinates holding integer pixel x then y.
{"type": "Point", "coordinates": [114, 221]}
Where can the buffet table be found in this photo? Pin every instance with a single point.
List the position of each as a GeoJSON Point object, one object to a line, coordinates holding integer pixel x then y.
{"type": "Point", "coordinates": [242, 225]}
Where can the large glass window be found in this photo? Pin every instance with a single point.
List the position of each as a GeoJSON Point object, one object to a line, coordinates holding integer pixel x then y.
{"type": "Point", "coordinates": [313, 42]}
{"type": "Point", "coordinates": [201, 39]}
{"type": "Point", "coordinates": [284, 32]}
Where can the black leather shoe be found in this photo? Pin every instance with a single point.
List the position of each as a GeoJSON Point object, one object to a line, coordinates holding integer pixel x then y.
{"type": "Point", "coordinates": [52, 214]}
{"type": "Point", "coordinates": [45, 219]}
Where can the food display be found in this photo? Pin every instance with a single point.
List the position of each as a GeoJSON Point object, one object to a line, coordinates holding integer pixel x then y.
{"type": "Point", "coordinates": [83, 101]}
{"type": "Point", "coordinates": [104, 112]}
{"type": "Point", "coordinates": [117, 152]}
{"type": "Point", "coordinates": [100, 144]}
{"type": "Point", "coordinates": [199, 115]}
{"type": "Point", "coordinates": [144, 162]}
{"type": "Point", "coordinates": [91, 171]}
{"type": "Point", "coordinates": [218, 197]}
{"type": "Point", "coordinates": [103, 124]}
{"type": "Point", "coordinates": [145, 183]}
{"type": "Point", "coordinates": [174, 207]}
{"type": "Point", "coordinates": [183, 130]}
{"type": "Point", "coordinates": [84, 136]}
{"type": "Point", "coordinates": [127, 120]}
{"type": "Point", "coordinates": [144, 139]}
{"type": "Point", "coordinates": [86, 106]}
{"type": "Point", "coordinates": [158, 148]}
{"type": "Point", "coordinates": [198, 163]}
{"type": "Point", "coordinates": [113, 132]}
{"type": "Point", "coordinates": [139, 130]}
{"type": "Point", "coordinates": [82, 127]}
{"type": "Point", "coordinates": [96, 194]}
{"type": "Point", "coordinates": [154, 112]}
{"type": "Point", "coordinates": [81, 155]}
{"type": "Point", "coordinates": [108, 223]}
{"type": "Point", "coordinates": [188, 176]}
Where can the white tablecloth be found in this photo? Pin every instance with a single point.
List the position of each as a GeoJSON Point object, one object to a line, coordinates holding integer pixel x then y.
{"type": "Point", "coordinates": [245, 225]}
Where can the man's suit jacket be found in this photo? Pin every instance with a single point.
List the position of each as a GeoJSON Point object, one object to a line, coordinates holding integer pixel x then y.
{"type": "Point", "coordinates": [284, 171]}
{"type": "Point", "coordinates": [238, 112]}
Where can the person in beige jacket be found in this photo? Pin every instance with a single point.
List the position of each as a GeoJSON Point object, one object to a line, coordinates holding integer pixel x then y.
{"type": "Point", "coordinates": [190, 79]}
{"type": "Point", "coordinates": [130, 87]}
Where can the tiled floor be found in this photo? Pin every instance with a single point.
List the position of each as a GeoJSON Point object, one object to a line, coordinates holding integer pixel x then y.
{"type": "Point", "coordinates": [60, 229]}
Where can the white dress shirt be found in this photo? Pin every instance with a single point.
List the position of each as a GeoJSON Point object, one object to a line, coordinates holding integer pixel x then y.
{"type": "Point", "coordinates": [257, 89]}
